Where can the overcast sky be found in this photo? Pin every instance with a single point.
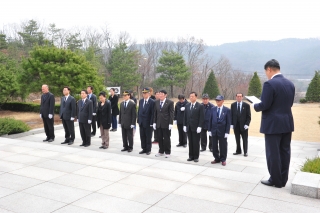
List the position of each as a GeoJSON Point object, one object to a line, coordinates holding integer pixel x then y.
{"type": "Point", "coordinates": [216, 22]}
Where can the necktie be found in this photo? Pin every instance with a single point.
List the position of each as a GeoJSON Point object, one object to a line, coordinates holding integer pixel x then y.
{"type": "Point", "coordinates": [64, 103]}
{"type": "Point", "coordinates": [239, 108]}
{"type": "Point", "coordinates": [218, 113]}
{"type": "Point", "coordinates": [192, 106]}
{"type": "Point", "coordinates": [161, 105]}
{"type": "Point", "coordinates": [125, 104]}
{"type": "Point", "coordinates": [145, 102]}
{"type": "Point", "coordinates": [82, 102]}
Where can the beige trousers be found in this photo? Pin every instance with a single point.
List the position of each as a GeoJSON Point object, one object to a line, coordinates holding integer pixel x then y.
{"type": "Point", "coordinates": [104, 136]}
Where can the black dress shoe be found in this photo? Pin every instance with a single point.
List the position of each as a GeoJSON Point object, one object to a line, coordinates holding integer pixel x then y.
{"type": "Point", "coordinates": [70, 143]}
{"type": "Point", "coordinates": [196, 160]}
{"type": "Point", "coordinates": [82, 145]}
{"type": "Point", "coordinates": [100, 136]}
{"type": "Point", "coordinates": [246, 154]}
{"type": "Point", "coordinates": [268, 183]}
{"type": "Point", "coordinates": [142, 152]}
{"type": "Point", "coordinates": [190, 159]}
{"type": "Point", "coordinates": [148, 153]}
{"type": "Point", "coordinates": [124, 149]}
{"type": "Point", "coordinates": [92, 135]}
{"type": "Point", "coordinates": [101, 147]}
{"type": "Point", "coordinates": [178, 145]}
{"type": "Point", "coordinates": [202, 150]}
{"type": "Point", "coordinates": [50, 140]}
{"type": "Point", "coordinates": [86, 145]}
{"type": "Point", "coordinates": [129, 150]}
{"type": "Point", "coordinates": [185, 145]}
{"type": "Point", "coordinates": [237, 153]}
{"type": "Point", "coordinates": [45, 139]}
{"type": "Point", "coordinates": [65, 142]}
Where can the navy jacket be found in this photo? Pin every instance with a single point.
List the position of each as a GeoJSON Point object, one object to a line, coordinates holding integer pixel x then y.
{"type": "Point", "coordinates": [218, 127]}
{"type": "Point", "coordinates": [178, 114]}
{"type": "Point", "coordinates": [276, 102]}
{"type": "Point", "coordinates": [145, 114]}
{"type": "Point", "coordinates": [207, 115]}
{"type": "Point", "coordinates": [68, 108]}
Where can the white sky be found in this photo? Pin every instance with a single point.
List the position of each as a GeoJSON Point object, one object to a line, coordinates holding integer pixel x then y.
{"type": "Point", "coordinates": [216, 22]}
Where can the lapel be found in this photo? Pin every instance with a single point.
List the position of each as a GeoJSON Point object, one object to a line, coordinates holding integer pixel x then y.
{"type": "Point", "coordinates": [223, 113]}
{"type": "Point", "coordinates": [214, 113]}
{"type": "Point", "coordinates": [146, 106]}
{"type": "Point", "coordinates": [85, 102]}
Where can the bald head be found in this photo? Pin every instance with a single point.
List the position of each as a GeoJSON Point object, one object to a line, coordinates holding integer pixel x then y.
{"type": "Point", "coordinates": [45, 88]}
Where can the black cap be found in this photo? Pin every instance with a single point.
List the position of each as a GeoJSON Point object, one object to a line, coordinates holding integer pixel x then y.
{"type": "Point", "coordinates": [163, 91]}
{"type": "Point", "coordinates": [219, 98]}
{"type": "Point", "coordinates": [205, 95]}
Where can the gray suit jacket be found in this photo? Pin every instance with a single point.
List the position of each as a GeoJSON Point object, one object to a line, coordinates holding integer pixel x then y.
{"type": "Point", "coordinates": [93, 99]}
{"type": "Point", "coordinates": [164, 116]}
{"type": "Point", "coordinates": [194, 118]}
{"type": "Point", "coordinates": [84, 111]}
{"type": "Point", "coordinates": [67, 108]}
{"type": "Point", "coordinates": [127, 115]}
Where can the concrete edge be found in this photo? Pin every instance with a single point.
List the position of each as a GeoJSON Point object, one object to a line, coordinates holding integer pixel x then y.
{"type": "Point", "coordinates": [306, 184]}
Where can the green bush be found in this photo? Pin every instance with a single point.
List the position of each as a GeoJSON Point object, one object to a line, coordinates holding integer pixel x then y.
{"type": "Point", "coordinates": [312, 166]}
{"type": "Point", "coordinates": [12, 126]}
{"type": "Point", "coordinates": [303, 100]}
{"type": "Point", "coordinates": [26, 107]}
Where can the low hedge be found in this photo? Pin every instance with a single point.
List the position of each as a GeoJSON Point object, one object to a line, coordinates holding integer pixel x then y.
{"type": "Point", "coordinates": [12, 126]}
{"type": "Point", "coordinates": [26, 107]}
{"type": "Point", "coordinates": [312, 166]}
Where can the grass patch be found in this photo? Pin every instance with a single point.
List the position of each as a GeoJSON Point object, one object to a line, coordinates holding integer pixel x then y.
{"type": "Point", "coordinates": [11, 126]}
{"type": "Point", "coordinates": [312, 166]}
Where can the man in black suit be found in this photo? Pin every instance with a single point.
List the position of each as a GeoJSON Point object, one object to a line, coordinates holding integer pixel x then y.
{"type": "Point", "coordinates": [113, 98]}
{"type": "Point", "coordinates": [93, 98]}
{"type": "Point", "coordinates": [276, 123]}
{"type": "Point", "coordinates": [127, 120]}
{"type": "Point", "coordinates": [47, 112]}
{"type": "Point", "coordinates": [207, 114]}
{"type": "Point", "coordinates": [192, 124]}
{"type": "Point", "coordinates": [145, 121]}
{"type": "Point", "coordinates": [67, 114]}
{"type": "Point", "coordinates": [240, 121]}
{"type": "Point", "coordinates": [178, 118]}
{"type": "Point", "coordinates": [155, 136]}
{"type": "Point", "coordinates": [162, 122]}
{"type": "Point", "coordinates": [219, 126]}
{"type": "Point", "coordinates": [85, 118]}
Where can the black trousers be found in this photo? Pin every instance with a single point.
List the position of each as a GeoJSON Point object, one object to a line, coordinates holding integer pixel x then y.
{"type": "Point", "coordinates": [204, 139]}
{"type": "Point", "coordinates": [194, 144]}
{"type": "Point", "coordinates": [48, 127]}
{"type": "Point", "coordinates": [244, 135]}
{"type": "Point", "coordinates": [68, 126]}
{"type": "Point", "coordinates": [155, 135]}
{"type": "Point", "coordinates": [164, 140]}
{"type": "Point", "coordinates": [182, 135]}
{"type": "Point", "coordinates": [85, 133]}
{"type": "Point", "coordinates": [94, 125]}
{"type": "Point", "coordinates": [223, 145]}
{"type": "Point", "coordinates": [127, 137]}
{"type": "Point", "coordinates": [145, 137]}
{"type": "Point", "coordinates": [278, 153]}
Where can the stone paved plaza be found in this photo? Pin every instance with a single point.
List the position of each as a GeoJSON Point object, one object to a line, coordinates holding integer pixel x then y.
{"type": "Point", "coordinates": [42, 177]}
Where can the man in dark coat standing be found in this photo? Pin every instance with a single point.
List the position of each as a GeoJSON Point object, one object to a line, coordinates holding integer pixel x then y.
{"type": "Point", "coordinates": [178, 118]}
{"type": "Point", "coordinates": [127, 120]}
{"type": "Point", "coordinates": [240, 121]}
{"type": "Point", "coordinates": [67, 114]}
{"type": "Point", "coordinates": [219, 126]}
{"type": "Point", "coordinates": [276, 123]}
{"type": "Point", "coordinates": [85, 118]}
{"type": "Point", "coordinates": [207, 114]}
{"type": "Point", "coordinates": [145, 121]}
{"type": "Point", "coordinates": [192, 124]}
{"type": "Point", "coordinates": [47, 112]}
{"type": "Point", "coordinates": [93, 98]}
{"type": "Point", "coordinates": [113, 98]}
{"type": "Point", "coordinates": [162, 122]}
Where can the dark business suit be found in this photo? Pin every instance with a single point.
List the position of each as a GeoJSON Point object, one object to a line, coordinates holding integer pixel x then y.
{"type": "Point", "coordinates": [104, 115]}
{"type": "Point", "coordinates": [238, 120]}
{"type": "Point", "coordinates": [114, 110]}
{"type": "Point", "coordinates": [193, 118]}
{"type": "Point", "coordinates": [93, 99]}
{"type": "Point", "coordinates": [85, 114]}
{"type": "Point", "coordinates": [127, 117]}
{"type": "Point", "coordinates": [46, 108]}
{"type": "Point", "coordinates": [277, 125]}
{"type": "Point", "coordinates": [163, 117]}
{"type": "Point", "coordinates": [145, 121]}
{"type": "Point", "coordinates": [68, 111]}
{"type": "Point", "coordinates": [179, 116]}
{"type": "Point", "coordinates": [204, 138]}
{"type": "Point", "coordinates": [219, 126]}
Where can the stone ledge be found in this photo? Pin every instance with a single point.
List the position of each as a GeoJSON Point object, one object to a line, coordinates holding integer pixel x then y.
{"type": "Point", "coordinates": [306, 184]}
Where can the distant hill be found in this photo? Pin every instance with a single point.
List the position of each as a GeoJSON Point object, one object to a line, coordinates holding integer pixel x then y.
{"type": "Point", "coordinates": [298, 58]}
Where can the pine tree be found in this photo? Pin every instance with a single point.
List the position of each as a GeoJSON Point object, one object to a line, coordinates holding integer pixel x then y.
{"type": "Point", "coordinates": [313, 91]}
{"type": "Point", "coordinates": [211, 86]}
{"type": "Point", "coordinates": [255, 86]}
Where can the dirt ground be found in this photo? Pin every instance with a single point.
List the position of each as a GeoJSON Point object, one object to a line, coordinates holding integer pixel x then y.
{"type": "Point", "coordinates": [306, 117]}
